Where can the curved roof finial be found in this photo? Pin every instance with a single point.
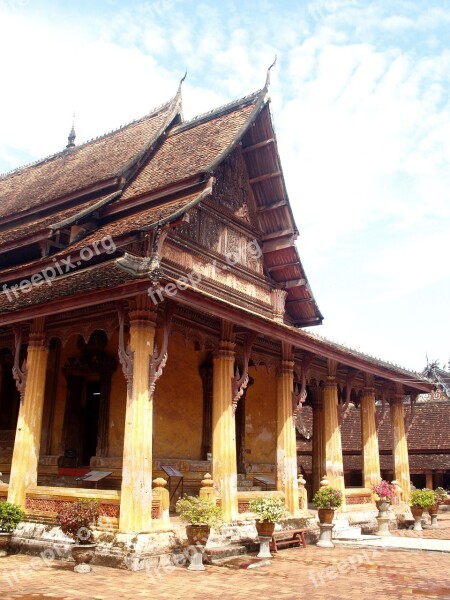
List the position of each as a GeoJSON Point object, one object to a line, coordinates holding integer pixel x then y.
{"type": "Point", "coordinates": [268, 73]}
{"type": "Point", "coordinates": [181, 82]}
{"type": "Point", "coordinates": [72, 136]}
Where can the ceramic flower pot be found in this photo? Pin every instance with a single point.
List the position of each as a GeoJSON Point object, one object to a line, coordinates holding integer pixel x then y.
{"type": "Point", "coordinates": [5, 539]}
{"type": "Point", "coordinates": [197, 534]}
{"type": "Point", "coordinates": [83, 554]}
{"type": "Point", "coordinates": [433, 510]}
{"type": "Point", "coordinates": [383, 506]}
{"type": "Point", "coordinates": [326, 515]}
{"type": "Point", "coordinates": [265, 528]}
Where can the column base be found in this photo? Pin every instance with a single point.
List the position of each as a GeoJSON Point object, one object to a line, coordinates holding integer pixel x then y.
{"type": "Point", "coordinates": [383, 526]}
{"type": "Point", "coordinates": [434, 522]}
{"type": "Point", "coordinates": [264, 547]}
{"type": "Point", "coordinates": [325, 536]}
{"type": "Point", "coordinates": [196, 559]}
{"type": "Point", "coordinates": [418, 524]}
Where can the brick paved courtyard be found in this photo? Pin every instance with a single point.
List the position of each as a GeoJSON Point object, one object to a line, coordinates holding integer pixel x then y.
{"type": "Point", "coordinates": [295, 573]}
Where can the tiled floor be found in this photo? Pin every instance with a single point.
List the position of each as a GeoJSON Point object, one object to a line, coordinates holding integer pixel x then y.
{"type": "Point", "coordinates": [294, 573]}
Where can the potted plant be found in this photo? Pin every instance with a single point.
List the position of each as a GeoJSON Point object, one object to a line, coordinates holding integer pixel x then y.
{"type": "Point", "coordinates": [440, 496]}
{"type": "Point", "coordinates": [327, 499]}
{"type": "Point", "coordinates": [385, 492]}
{"type": "Point", "coordinates": [10, 517]}
{"type": "Point", "coordinates": [420, 499]}
{"type": "Point", "coordinates": [201, 513]}
{"type": "Point", "coordinates": [76, 520]}
{"type": "Point", "coordinates": [268, 510]}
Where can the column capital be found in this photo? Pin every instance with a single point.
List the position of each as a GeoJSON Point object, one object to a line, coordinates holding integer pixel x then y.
{"type": "Point", "coordinates": [287, 367]}
{"type": "Point", "coordinates": [36, 337]}
{"type": "Point", "coordinates": [368, 391]}
{"type": "Point", "coordinates": [142, 312]}
{"type": "Point", "coordinates": [330, 381]}
{"type": "Point", "coordinates": [226, 350]}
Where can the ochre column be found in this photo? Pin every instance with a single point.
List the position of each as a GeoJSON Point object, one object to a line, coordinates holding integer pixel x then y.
{"type": "Point", "coordinates": [399, 444]}
{"type": "Point", "coordinates": [136, 494]}
{"type": "Point", "coordinates": [318, 441]}
{"type": "Point", "coordinates": [287, 478]}
{"type": "Point", "coordinates": [332, 434]}
{"type": "Point", "coordinates": [223, 427]}
{"type": "Point", "coordinates": [28, 433]}
{"type": "Point", "coordinates": [369, 436]}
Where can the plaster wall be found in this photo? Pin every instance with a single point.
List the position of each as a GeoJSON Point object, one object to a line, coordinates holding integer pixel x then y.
{"type": "Point", "coordinates": [261, 417]}
{"type": "Point", "coordinates": [178, 403]}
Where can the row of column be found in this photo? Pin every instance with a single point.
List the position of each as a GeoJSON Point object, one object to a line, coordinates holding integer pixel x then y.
{"type": "Point", "coordinates": [136, 493]}
{"type": "Point", "coordinates": [327, 446]}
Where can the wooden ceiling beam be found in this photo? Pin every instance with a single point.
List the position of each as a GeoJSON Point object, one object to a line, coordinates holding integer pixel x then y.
{"type": "Point", "coordinates": [264, 177]}
{"type": "Point", "coordinates": [258, 145]}
{"type": "Point", "coordinates": [273, 206]}
{"type": "Point", "coordinates": [283, 266]}
{"type": "Point", "coordinates": [294, 283]}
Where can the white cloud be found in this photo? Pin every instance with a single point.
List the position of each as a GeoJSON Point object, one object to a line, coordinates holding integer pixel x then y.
{"type": "Point", "coordinates": [362, 110]}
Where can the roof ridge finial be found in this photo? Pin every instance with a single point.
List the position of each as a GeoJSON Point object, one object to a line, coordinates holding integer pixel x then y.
{"type": "Point", "coordinates": [268, 73]}
{"type": "Point", "coordinates": [72, 135]}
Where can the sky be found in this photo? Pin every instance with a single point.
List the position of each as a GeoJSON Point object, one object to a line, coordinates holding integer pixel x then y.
{"type": "Point", "coordinates": [360, 98]}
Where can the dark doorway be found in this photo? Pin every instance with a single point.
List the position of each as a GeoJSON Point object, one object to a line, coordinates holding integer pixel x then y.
{"type": "Point", "coordinates": [89, 424]}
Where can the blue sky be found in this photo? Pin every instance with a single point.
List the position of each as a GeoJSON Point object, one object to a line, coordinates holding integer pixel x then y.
{"type": "Point", "coordinates": [361, 104]}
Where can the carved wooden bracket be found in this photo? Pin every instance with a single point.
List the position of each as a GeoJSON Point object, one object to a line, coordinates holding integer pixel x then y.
{"type": "Point", "coordinates": [239, 382]}
{"type": "Point", "coordinates": [125, 354]}
{"type": "Point", "coordinates": [344, 409]}
{"type": "Point", "coordinates": [409, 418]}
{"type": "Point", "coordinates": [159, 236]}
{"type": "Point", "coordinates": [380, 417]}
{"type": "Point", "coordinates": [159, 358]}
{"type": "Point", "coordinates": [19, 372]}
{"type": "Point", "coordinates": [299, 396]}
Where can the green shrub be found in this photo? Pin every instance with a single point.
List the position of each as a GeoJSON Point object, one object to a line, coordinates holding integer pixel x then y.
{"type": "Point", "coordinates": [198, 511]}
{"type": "Point", "coordinates": [10, 516]}
{"type": "Point", "coordinates": [422, 498]}
{"type": "Point", "coordinates": [327, 497]}
{"type": "Point", "coordinates": [268, 508]}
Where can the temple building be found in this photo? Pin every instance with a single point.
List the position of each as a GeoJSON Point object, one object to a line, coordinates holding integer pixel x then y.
{"type": "Point", "coordinates": [152, 309]}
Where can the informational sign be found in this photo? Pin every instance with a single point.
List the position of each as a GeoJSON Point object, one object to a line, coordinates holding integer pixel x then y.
{"type": "Point", "coordinates": [69, 453]}
{"type": "Point", "coordinates": [171, 471]}
{"type": "Point", "coordinates": [94, 476]}
{"type": "Point", "coordinates": [265, 480]}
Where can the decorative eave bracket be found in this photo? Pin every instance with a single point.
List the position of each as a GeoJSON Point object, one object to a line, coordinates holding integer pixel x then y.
{"type": "Point", "coordinates": [159, 358]}
{"type": "Point", "coordinates": [239, 382]}
{"type": "Point", "coordinates": [409, 417]}
{"type": "Point", "coordinates": [344, 409]}
{"type": "Point", "coordinates": [19, 372]}
{"type": "Point", "coordinates": [299, 396]}
{"type": "Point", "coordinates": [125, 354]}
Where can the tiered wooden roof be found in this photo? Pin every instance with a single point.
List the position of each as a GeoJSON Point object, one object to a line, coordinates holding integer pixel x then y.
{"type": "Point", "coordinates": [152, 172]}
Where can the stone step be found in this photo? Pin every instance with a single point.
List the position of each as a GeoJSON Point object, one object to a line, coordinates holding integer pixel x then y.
{"type": "Point", "coordinates": [253, 488]}
{"type": "Point", "coordinates": [347, 533]}
{"type": "Point", "coordinates": [218, 555]}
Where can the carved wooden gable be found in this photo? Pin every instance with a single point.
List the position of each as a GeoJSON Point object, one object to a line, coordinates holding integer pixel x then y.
{"type": "Point", "coordinates": [231, 187]}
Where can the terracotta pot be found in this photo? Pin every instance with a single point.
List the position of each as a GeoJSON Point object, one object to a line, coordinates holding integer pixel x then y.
{"type": "Point", "coordinates": [265, 528]}
{"type": "Point", "coordinates": [197, 534]}
{"type": "Point", "coordinates": [417, 511]}
{"type": "Point", "coordinates": [83, 554]}
{"type": "Point", "coordinates": [433, 510]}
{"type": "Point", "coordinates": [5, 539]}
{"type": "Point", "coordinates": [326, 515]}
